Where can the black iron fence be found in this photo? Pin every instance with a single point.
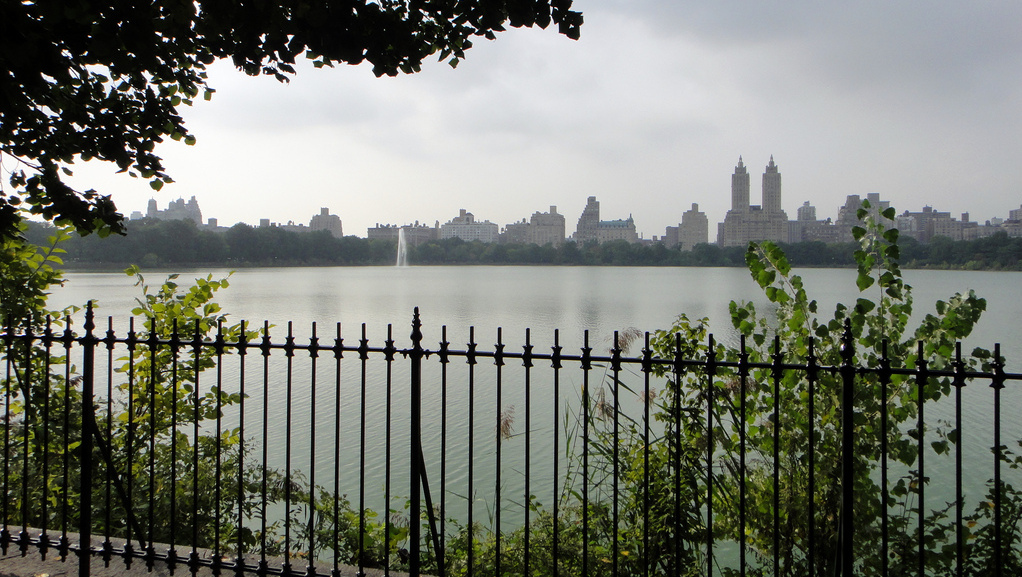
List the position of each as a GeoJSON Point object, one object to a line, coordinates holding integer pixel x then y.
{"type": "Point", "coordinates": [235, 452]}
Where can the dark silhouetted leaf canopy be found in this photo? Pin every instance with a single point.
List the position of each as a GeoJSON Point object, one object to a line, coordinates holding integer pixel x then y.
{"type": "Point", "coordinates": [85, 79]}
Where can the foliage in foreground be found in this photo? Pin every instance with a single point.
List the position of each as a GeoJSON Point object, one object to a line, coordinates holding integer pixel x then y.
{"type": "Point", "coordinates": [189, 481]}
{"type": "Point", "coordinates": [791, 418]}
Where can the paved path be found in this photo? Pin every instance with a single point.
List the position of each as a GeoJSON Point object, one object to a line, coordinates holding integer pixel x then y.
{"type": "Point", "coordinates": [33, 564]}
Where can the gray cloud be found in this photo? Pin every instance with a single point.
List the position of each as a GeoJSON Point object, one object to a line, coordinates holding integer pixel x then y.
{"type": "Point", "coordinates": [930, 46]}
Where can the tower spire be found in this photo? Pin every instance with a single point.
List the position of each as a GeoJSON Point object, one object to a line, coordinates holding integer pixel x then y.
{"type": "Point", "coordinates": [772, 188]}
{"type": "Point", "coordinates": [740, 188]}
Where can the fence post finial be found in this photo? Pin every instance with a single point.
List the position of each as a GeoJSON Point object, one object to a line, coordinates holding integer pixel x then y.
{"type": "Point", "coordinates": [416, 330]}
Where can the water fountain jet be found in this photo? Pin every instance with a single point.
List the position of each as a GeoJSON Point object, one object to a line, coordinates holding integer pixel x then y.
{"type": "Point", "coordinates": [402, 248]}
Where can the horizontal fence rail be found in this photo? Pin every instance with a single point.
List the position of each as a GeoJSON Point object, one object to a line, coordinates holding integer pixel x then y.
{"type": "Point", "coordinates": [227, 450]}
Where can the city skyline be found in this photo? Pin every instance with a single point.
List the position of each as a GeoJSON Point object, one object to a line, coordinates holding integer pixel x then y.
{"type": "Point", "coordinates": [642, 231]}
{"type": "Point", "coordinates": [648, 111]}
{"type": "Point", "coordinates": [736, 234]}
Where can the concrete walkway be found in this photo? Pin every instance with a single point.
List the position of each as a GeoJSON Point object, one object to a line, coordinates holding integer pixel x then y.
{"type": "Point", "coordinates": [33, 564]}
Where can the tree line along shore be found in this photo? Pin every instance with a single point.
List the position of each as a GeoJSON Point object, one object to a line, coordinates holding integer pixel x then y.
{"type": "Point", "coordinates": [181, 243]}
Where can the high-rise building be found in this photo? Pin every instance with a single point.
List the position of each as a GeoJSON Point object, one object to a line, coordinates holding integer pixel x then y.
{"type": "Point", "coordinates": [515, 233]}
{"type": "Point", "coordinates": [542, 229]}
{"type": "Point", "coordinates": [744, 222]}
{"type": "Point", "coordinates": [806, 228]}
{"type": "Point", "coordinates": [1015, 214]}
{"type": "Point", "coordinates": [465, 227]}
{"type": "Point", "coordinates": [591, 229]}
{"type": "Point", "coordinates": [672, 236]}
{"type": "Point", "coordinates": [740, 188]}
{"type": "Point", "coordinates": [923, 223]}
{"type": "Point", "coordinates": [771, 188]}
{"type": "Point", "coordinates": [547, 228]}
{"type": "Point", "coordinates": [176, 210]}
{"type": "Point", "coordinates": [694, 228]}
{"type": "Point", "coordinates": [956, 229]}
{"type": "Point", "coordinates": [588, 222]}
{"type": "Point", "coordinates": [620, 229]}
{"type": "Point", "coordinates": [847, 215]}
{"type": "Point", "coordinates": [806, 212]}
{"type": "Point", "coordinates": [415, 234]}
{"type": "Point", "coordinates": [328, 222]}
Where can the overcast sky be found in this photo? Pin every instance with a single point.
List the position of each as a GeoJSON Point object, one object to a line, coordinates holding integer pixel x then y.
{"type": "Point", "coordinates": [649, 111]}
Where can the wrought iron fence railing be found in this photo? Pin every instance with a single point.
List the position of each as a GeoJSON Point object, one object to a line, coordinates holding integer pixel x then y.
{"type": "Point", "coordinates": [253, 455]}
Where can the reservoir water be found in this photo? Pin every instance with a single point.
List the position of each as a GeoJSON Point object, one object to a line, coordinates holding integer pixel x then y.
{"type": "Point", "coordinates": [572, 299]}
{"type": "Point", "coordinates": [599, 300]}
